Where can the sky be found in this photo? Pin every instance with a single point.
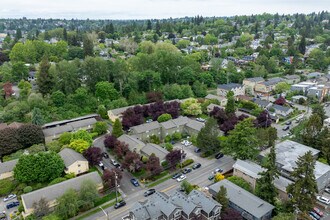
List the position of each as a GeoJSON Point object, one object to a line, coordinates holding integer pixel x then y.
{"type": "Point", "coordinates": [149, 9]}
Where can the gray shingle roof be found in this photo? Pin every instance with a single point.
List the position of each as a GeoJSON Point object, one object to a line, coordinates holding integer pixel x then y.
{"type": "Point", "coordinates": [132, 142]}
{"type": "Point", "coordinates": [57, 130]}
{"type": "Point", "coordinates": [242, 198]}
{"type": "Point", "coordinates": [70, 156]}
{"type": "Point", "coordinates": [262, 103]}
{"type": "Point", "coordinates": [145, 127]}
{"type": "Point", "coordinates": [216, 97]}
{"type": "Point", "coordinates": [207, 203]}
{"type": "Point", "coordinates": [8, 166]}
{"type": "Point", "coordinates": [196, 125]}
{"type": "Point", "coordinates": [255, 79]}
{"type": "Point", "coordinates": [183, 201]}
{"type": "Point", "coordinates": [292, 77]}
{"type": "Point", "coordinates": [229, 86]}
{"type": "Point", "coordinates": [248, 167]}
{"type": "Point", "coordinates": [51, 193]}
{"type": "Point", "coordinates": [82, 123]}
{"type": "Point", "coordinates": [272, 81]}
{"type": "Point", "coordinates": [69, 120]}
{"type": "Point", "coordinates": [150, 148]}
{"type": "Point", "coordinates": [173, 123]}
{"type": "Point", "coordinates": [281, 108]}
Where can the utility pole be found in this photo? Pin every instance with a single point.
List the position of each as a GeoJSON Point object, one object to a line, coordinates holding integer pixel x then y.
{"type": "Point", "coordinates": [116, 186]}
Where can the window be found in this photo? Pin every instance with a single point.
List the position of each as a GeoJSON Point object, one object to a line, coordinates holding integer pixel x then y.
{"type": "Point", "coordinates": [147, 131]}
{"type": "Point", "coordinates": [78, 171]}
{"type": "Point", "coordinates": [78, 165]}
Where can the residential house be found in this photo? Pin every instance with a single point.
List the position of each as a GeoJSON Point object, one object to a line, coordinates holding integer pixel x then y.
{"type": "Point", "coordinates": [222, 100]}
{"type": "Point", "coordinates": [196, 205]}
{"type": "Point", "coordinates": [296, 98]}
{"type": "Point", "coordinates": [250, 83]}
{"type": "Point", "coordinates": [282, 110]}
{"type": "Point", "coordinates": [51, 193]}
{"type": "Point", "coordinates": [319, 91]}
{"type": "Point", "coordinates": [150, 148]}
{"type": "Point", "coordinates": [211, 106]}
{"type": "Point", "coordinates": [302, 87]}
{"type": "Point", "coordinates": [250, 206]}
{"type": "Point", "coordinates": [134, 144]}
{"type": "Point", "coordinates": [237, 89]}
{"type": "Point", "coordinates": [193, 127]}
{"type": "Point", "coordinates": [74, 161]}
{"type": "Point", "coordinates": [267, 87]}
{"type": "Point", "coordinates": [288, 152]}
{"type": "Point", "coordinates": [292, 79]}
{"type": "Point", "coordinates": [146, 130]}
{"type": "Point", "coordinates": [263, 103]}
{"type": "Point", "coordinates": [7, 168]}
{"type": "Point", "coordinates": [248, 170]}
{"type": "Point", "coordinates": [281, 183]}
{"type": "Point", "coordinates": [113, 114]}
{"type": "Point", "coordinates": [174, 125]}
{"type": "Point", "coordinates": [314, 75]}
{"type": "Point", "coordinates": [53, 130]}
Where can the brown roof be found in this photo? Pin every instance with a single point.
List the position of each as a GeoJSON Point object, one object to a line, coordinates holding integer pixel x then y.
{"type": "Point", "coordinates": [244, 97]}
{"type": "Point", "coordinates": [15, 125]}
{"type": "Point", "coordinates": [3, 126]}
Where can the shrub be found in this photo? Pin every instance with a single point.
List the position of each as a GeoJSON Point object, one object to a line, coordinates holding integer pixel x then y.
{"type": "Point", "coordinates": [100, 127]}
{"type": "Point", "coordinates": [176, 136]}
{"type": "Point", "coordinates": [27, 189]}
{"type": "Point", "coordinates": [144, 159]}
{"type": "Point", "coordinates": [240, 182]}
{"type": "Point", "coordinates": [168, 146]}
{"type": "Point", "coordinates": [218, 177]}
{"type": "Point", "coordinates": [164, 117]}
{"type": "Point", "coordinates": [164, 163]}
{"type": "Point", "coordinates": [168, 139]}
{"type": "Point", "coordinates": [70, 176]}
{"type": "Point", "coordinates": [6, 186]}
{"type": "Point", "coordinates": [185, 163]}
{"type": "Point", "coordinates": [57, 180]}
{"type": "Point", "coordinates": [154, 139]}
{"type": "Point", "coordinates": [54, 146]}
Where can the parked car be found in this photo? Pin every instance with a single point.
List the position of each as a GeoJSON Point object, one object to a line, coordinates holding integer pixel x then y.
{"type": "Point", "coordinates": [186, 170]}
{"type": "Point", "coordinates": [149, 192]}
{"type": "Point", "coordinates": [105, 155]}
{"type": "Point", "coordinates": [101, 165]}
{"type": "Point", "coordinates": [12, 204]}
{"type": "Point", "coordinates": [197, 150]}
{"type": "Point", "coordinates": [314, 215]}
{"type": "Point", "coordinates": [200, 119]}
{"type": "Point", "coordinates": [149, 120]}
{"type": "Point", "coordinates": [9, 197]}
{"type": "Point", "coordinates": [327, 190]}
{"type": "Point", "coordinates": [120, 204]}
{"type": "Point", "coordinates": [135, 182]}
{"type": "Point", "coordinates": [175, 176]}
{"type": "Point", "coordinates": [286, 128]}
{"type": "Point", "coordinates": [211, 177]}
{"type": "Point", "coordinates": [219, 155]}
{"type": "Point", "coordinates": [288, 122]}
{"type": "Point", "coordinates": [218, 170]}
{"type": "Point", "coordinates": [186, 143]}
{"type": "Point", "coordinates": [196, 166]}
{"type": "Point", "coordinates": [182, 177]}
{"type": "Point", "coordinates": [323, 200]}
{"type": "Point", "coordinates": [318, 211]}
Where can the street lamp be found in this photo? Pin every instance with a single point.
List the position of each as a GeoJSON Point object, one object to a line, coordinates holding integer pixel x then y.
{"type": "Point", "coordinates": [105, 212]}
{"type": "Point", "coordinates": [116, 186]}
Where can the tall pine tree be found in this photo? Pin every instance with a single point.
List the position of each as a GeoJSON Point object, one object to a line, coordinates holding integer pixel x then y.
{"type": "Point", "coordinates": [117, 130]}
{"type": "Point", "coordinates": [304, 189]}
{"type": "Point", "coordinates": [230, 106]}
{"type": "Point", "coordinates": [45, 80]}
{"type": "Point", "coordinates": [265, 188]}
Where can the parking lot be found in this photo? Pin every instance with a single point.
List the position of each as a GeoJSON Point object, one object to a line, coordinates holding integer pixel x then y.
{"type": "Point", "coordinates": [4, 209]}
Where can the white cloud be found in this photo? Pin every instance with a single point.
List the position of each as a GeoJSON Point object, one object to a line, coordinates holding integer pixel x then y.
{"type": "Point", "coordinates": [139, 9]}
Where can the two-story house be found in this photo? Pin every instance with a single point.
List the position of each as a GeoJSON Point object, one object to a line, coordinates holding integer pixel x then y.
{"type": "Point", "coordinates": [268, 86]}
{"type": "Point", "coordinates": [250, 84]}
{"type": "Point", "coordinates": [74, 161]}
{"type": "Point", "coordinates": [237, 89]}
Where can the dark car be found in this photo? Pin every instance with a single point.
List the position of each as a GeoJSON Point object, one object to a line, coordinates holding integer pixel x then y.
{"type": "Point", "coordinates": [196, 166]}
{"type": "Point", "coordinates": [314, 215]}
{"type": "Point", "coordinates": [105, 155]}
{"type": "Point", "coordinates": [211, 177]}
{"type": "Point", "coordinates": [149, 192]}
{"type": "Point", "coordinates": [197, 150]}
{"type": "Point", "coordinates": [187, 170]}
{"type": "Point", "coordinates": [177, 175]}
{"type": "Point", "coordinates": [218, 155]}
{"type": "Point", "coordinates": [120, 204]}
{"type": "Point", "coordinates": [135, 182]}
{"type": "Point", "coordinates": [288, 122]}
{"type": "Point", "coordinates": [12, 204]}
{"type": "Point", "coordinates": [286, 128]}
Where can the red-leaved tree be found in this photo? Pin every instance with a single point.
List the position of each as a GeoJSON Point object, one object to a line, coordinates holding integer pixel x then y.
{"type": "Point", "coordinates": [174, 157]}
{"type": "Point", "coordinates": [109, 177]}
{"type": "Point", "coordinates": [280, 101]}
{"type": "Point", "coordinates": [110, 141]}
{"type": "Point", "coordinates": [93, 155]}
{"type": "Point", "coordinates": [132, 162]}
{"type": "Point", "coordinates": [153, 165]}
{"type": "Point", "coordinates": [121, 149]}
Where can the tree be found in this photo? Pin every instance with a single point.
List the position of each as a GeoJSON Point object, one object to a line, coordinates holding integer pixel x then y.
{"type": "Point", "coordinates": [230, 106]}
{"type": "Point", "coordinates": [41, 208]}
{"type": "Point", "coordinates": [8, 89]}
{"type": "Point", "coordinates": [265, 188]}
{"type": "Point", "coordinates": [30, 134]}
{"type": "Point", "coordinates": [93, 155]}
{"type": "Point", "coordinates": [164, 117]}
{"type": "Point", "coordinates": [110, 141]}
{"type": "Point", "coordinates": [25, 89]}
{"type": "Point", "coordinates": [40, 167]}
{"type": "Point", "coordinates": [153, 165]}
{"type": "Point", "coordinates": [302, 45]}
{"type": "Point", "coordinates": [106, 90]}
{"type": "Point", "coordinates": [88, 194]}
{"type": "Point", "coordinates": [174, 157]}
{"type": "Point", "coordinates": [199, 89]}
{"type": "Point", "coordinates": [65, 138]}
{"type": "Point", "coordinates": [282, 87]}
{"type": "Point", "coordinates": [319, 110]}
{"type": "Point", "coordinates": [312, 130]}
{"type": "Point", "coordinates": [207, 138]}
{"type": "Point", "coordinates": [102, 111]}
{"type": "Point", "coordinates": [304, 189]}
{"type": "Point", "coordinates": [221, 197]}
{"type": "Point", "coordinates": [82, 135]}
{"type": "Point", "coordinates": [186, 186]}
{"type": "Point", "coordinates": [218, 177]}
{"type": "Point", "coordinates": [117, 130]}
{"type": "Point", "coordinates": [109, 178]}
{"type": "Point", "coordinates": [231, 214]}
{"type": "Point", "coordinates": [239, 181]}
{"type": "Point", "coordinates": [88, 46]}
{"type": "Point", "coordinates": [37, 118]}
{"type": "Point", "coordinates": [263, 120]}
{"type": "Point", "coordinates": [267, 136]}
{"type": "Point", "coordinates": [58, 98]}
{"type": "Point", "coordinates": [132, 162]}
{"type": "Point", "coordinates": [242, 142]}
{"type": "Point", "coordinates": [9, 141]}
{"type": "Point", "coordinates": [79, 145]}
{"type": "Point", "coordinates": [280, 101]}
{"type": "Point", "coordinates": [45, 80]}
{"type": "Point", "coordinates": [67, 205]}
{"type": "Point", "coordinates": [191, 107]}
{"type": "Point", "coordinates": [100, 127]}
{"type": "Point", "coordinates": [20, 71]}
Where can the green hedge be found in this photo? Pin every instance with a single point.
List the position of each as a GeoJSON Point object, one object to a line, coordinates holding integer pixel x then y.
{"type": "Point", "coordinates": [6, 186]}
{"type": "Point", "coordinates": [185, 163]}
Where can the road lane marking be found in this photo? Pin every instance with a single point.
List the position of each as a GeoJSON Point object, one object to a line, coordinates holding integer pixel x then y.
{"type": "Point", "coordinates": [167, 189]}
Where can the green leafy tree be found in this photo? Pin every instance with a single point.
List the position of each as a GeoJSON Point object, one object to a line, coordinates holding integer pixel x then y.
{"type": "Point", "coordinates": [45, 80]}
{"type": "Point", "coordinates": [67, 205]}
{"type": "Point", "coordinates": [207, 138]}
{"type": "Point", "coordinates": [230, 106]}
{"type": "Point", "coordinates": [239, 181]}
{"type": "Point", "coordinates": [65, 138]}
{"type": "Point", "coordinates": [40, 167]}
{"type": "Point", "coordinates": [282, 87]}
{"type": "Point", "coordinates": [164, 117]}
{"type": "Point", "coordinates": [242, 141]}
{"type": "Point", "coordinates": [41, 208]}
{"type": "Point", "coordinates": [20, 71]}
{"type": "Point", "coordinates": [67, 76]}
{"type": "Point", "coordinates": [102, 111]}
{"type": "Point", "coordinates": [265, 188]}
{"type": "Point", "coordinates": [82, 135]}
{"type": "Point", "coordinates": [199, 89]}
{"type": "Point", "coordinates": [319, 110]}
{"type": "Point", "coordinates": [106, 90]}
{"type": "Point", "coordinates": [79, 145]}
{"type": "Point", "coordinates": [304, 189]}
{"type": "Point", "coordinates": [191, 107]}
{"type": "Point", "coordinates": [312, 129]}
{"type": "Point", "coordinates": [25, 89]}
{"type": "Point", "coordinates": [30, 134]}
{"type": "Point", "coordinates": [302, 45]}
{"type": "Point", "coordinates": [87, 194]}
{"type": "Point", "coordinates": [37, 118]}
{"type": "Point", "coordinates": [186, 186]}
{"type": "Point", "coordinates": [88, 46]}
{"type": "Point", "coordinates": [100, 127]}
{"type": "Point", "coordinates": [221, 197]}
{"type": "Point", "coordinates": [117, 130]}
{"type": "Point", "coordinates": [58, 98]}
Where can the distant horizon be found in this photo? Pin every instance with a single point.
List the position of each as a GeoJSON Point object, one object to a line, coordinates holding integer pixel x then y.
{"type": "Point", "coordinates": [152, 9]}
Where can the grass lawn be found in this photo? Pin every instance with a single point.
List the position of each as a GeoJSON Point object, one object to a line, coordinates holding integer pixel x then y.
{"type": "Point", "coordinates": [159, 181]}
{"type": "Point", "coordinates": [106, 198]}
{"type": "Point", "coordinates": [139, 173]}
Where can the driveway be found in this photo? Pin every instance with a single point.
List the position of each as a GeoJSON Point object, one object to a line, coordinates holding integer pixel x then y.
{"type": "Point", "coordinates": [4, 209]}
